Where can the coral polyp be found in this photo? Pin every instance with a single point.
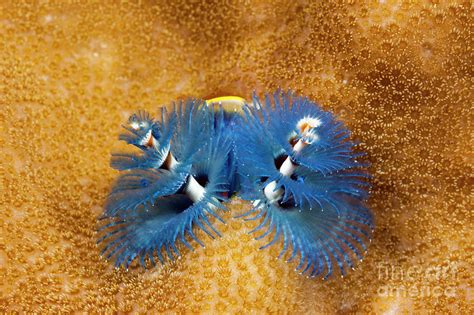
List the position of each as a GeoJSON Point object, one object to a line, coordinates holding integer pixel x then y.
{"type": "Point", "coordinates": [398, 73]}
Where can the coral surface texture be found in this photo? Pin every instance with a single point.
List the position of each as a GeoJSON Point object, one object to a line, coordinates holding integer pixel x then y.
{"type": "Point", "coordinates": [397, 73]}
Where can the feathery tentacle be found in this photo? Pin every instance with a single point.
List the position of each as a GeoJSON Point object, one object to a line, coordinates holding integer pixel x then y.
{"type": "Point", "coordinates": [176, 184]}
{"type": "Point", "coordinates": [297, 163]}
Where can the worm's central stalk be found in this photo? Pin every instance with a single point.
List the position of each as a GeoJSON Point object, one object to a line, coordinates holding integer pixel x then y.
{"type": "Point", "coordinates": [286, 169]}
{"type": "Point", "coordinates": [306, 126]}
{"type": "Point", "coordinates": [192, 188]}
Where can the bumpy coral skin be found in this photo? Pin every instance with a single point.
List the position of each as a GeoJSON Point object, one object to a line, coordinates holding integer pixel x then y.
{"type": "Point", "coordinates": [398, 74]}
{"type": "Point", "coordinates": [148, 210]}
{"type": "Point", "coordinates": [319, 213]}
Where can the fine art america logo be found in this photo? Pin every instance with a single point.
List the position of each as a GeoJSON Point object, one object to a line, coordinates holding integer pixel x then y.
{"type": "Point", "coordinates": [419, 281]}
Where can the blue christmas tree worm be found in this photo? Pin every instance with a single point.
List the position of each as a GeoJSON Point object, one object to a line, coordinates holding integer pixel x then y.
{"type": "Point", "coordinates": [308, 186]}
{"type": "Point", "coordinates": [295, 161]}
{"type": "Point", "coordinates": [178, 181]}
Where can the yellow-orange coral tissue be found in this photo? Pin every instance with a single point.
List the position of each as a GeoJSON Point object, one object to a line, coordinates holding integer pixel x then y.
{"type": "Point", "coordinates": [397, 74]}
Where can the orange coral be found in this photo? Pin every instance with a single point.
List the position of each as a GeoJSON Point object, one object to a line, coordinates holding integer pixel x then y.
{"type": "Point", "coordinates": [399, 74]}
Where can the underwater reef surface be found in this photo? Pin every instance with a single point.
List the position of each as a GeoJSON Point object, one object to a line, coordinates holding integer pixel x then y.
{"type": "Point", "coordinates": [399, 75]}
